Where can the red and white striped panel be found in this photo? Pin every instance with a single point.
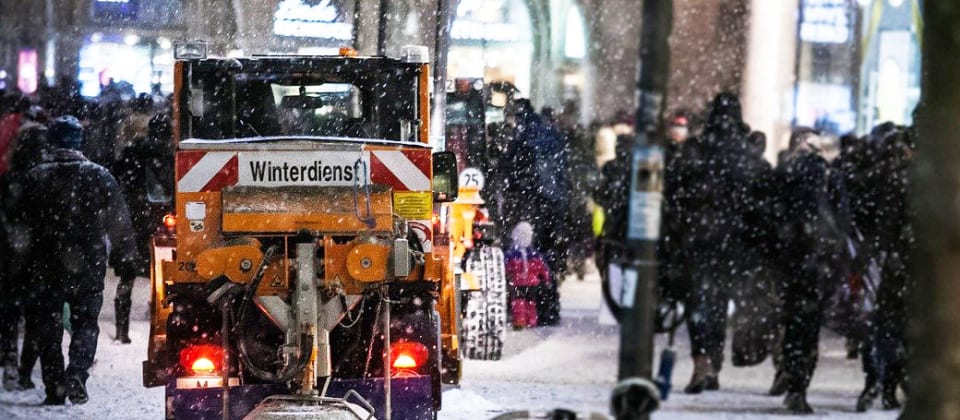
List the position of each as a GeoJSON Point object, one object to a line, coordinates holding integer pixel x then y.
{"type": "Point", "coordinates": [404, 170]}
{"type": "Point", "coordinates": [199, 171]}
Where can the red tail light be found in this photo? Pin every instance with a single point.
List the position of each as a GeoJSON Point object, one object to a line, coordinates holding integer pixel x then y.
{"type": "Point", "coordinates": [170, 221]}
{"type": "Point", "coordinates": [202, 359]}
{"type": "Point", "coordinates": [408, 355]}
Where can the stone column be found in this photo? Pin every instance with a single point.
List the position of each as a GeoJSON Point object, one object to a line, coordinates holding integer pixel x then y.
{"type": "Point", "coordinates": [707, 51]}
{"type": "Point", "coordinates": [614, 34]}
{"type": "Point", "coordinates": [769, 74]}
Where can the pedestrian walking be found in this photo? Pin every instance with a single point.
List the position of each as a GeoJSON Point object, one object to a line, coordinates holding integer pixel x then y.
{"type": "Point", "coordinates": [814, 232]}
{"type": "Point", "coordinates": [717, 182]}
{"type": "Point", "coordinates": [145, 174]}
{"type": "Point", "coordinates": [72, 206]}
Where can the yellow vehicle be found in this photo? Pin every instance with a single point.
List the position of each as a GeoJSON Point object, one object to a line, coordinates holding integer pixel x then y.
{"type": "Point", "coordinates": [303, 274]}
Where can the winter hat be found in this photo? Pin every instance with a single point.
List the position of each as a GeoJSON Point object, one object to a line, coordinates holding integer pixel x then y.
{"type": "Point", "coordinates": [522, 235]}
{"type": "Point", "coordinates": [725, 110]}
{"type": "Point", "coordinates": [66, 132]}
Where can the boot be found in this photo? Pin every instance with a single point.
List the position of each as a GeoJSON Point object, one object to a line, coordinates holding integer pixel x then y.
{"type": "Point", "coordinates": [122, 309]}
{"type": "Point", "coordinates": [76, 390]}
{"type": "Point", "coordinates": [869, 393]}
{"type": "Point", "coordinates": [779, 386]}
{"type": "Point", "coordinates": [853, 348]}
{"type": "Point", "coordinates": [11, 373]}
{"type": "Point", "coordinates": [703, 375]}
{"type": "Point", "coordinates": [796, 402]}
{"type": "Point", "coordinates": [889, 398]}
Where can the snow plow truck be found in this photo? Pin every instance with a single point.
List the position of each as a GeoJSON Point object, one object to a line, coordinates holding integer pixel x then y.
{"type": "Point", "coordinates": [302, 277]}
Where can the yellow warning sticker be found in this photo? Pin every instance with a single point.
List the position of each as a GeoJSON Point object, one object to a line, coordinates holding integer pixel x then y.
{"type": "Point", "coordinates": [413, 205]}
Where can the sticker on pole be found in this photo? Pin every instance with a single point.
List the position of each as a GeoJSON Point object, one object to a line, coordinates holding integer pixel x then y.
{"type": "Point", "coordinates": [646, 184]}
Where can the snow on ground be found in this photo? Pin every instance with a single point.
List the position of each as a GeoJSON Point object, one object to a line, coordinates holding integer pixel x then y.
{"type": "Point", "coordinates": [115, 385]}
{"type": "Point", "coordinates": [573, 366]}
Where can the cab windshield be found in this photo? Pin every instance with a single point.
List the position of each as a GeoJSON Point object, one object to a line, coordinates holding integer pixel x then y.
{"type": "Point", "coordinates": [321, 97]}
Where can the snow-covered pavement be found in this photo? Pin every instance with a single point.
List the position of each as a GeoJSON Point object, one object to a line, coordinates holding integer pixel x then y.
{"type": "Point", "coordinates": [574, 366]}
{"type": "Point", "coordinates": [571, 366]}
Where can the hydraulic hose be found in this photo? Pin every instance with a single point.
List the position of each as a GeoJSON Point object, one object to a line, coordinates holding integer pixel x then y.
{"type": "Point", "coordinates": [306, 340]}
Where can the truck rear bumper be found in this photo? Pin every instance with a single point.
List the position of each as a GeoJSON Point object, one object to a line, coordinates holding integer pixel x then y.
{"type": "Point", "coordinates": [412, 398]}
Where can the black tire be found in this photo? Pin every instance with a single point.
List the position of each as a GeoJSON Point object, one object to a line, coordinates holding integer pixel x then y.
{"type": "Point", "coordinates": [485, 310]}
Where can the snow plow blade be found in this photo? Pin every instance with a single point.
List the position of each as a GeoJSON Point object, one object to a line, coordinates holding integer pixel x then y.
{"type": "Point", "coordinates": [279, 407]}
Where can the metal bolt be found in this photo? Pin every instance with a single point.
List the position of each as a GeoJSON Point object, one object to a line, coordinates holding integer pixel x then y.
{"type": "Point", "coordinates": [366, 263]}
{"type": "Point", "coordinates": [246, 265]}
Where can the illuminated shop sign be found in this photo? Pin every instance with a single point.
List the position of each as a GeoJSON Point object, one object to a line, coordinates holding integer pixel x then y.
{"type": "Point", "coordinates": [826, 21]}
{"type": "Point", "coordinates": [323, 20]}
{"type": "Point", "coordinates": [489, 20]}
{"type": "Point", "coordinates": [480, 31]}
{"type": "Point", "coordinates": [27, 71]}
{"type": "Point", "coordinates": [116, 9]}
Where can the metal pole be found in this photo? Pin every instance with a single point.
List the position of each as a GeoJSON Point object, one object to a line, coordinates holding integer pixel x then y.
{"type": "Point", "coordinates": [440, 50]}
{"type": "Point", "coordinates": [387, 388]}
{"type": "Point", "coordinates": [382, 28]}
{"type": "Point", "coordinates": [636, 395]}
{"type": "Point", "coordinates": [225, 362]}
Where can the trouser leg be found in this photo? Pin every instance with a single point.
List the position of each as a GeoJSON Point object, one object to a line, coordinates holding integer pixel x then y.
{"type": "Point", "coordinates": [85, 308]}
{"type": "Point", "coordinates": [707, 320]}
{"type": "Point", "coordinates": [801, 333]}
{"type": "Point", "coordinates": [46, 319]}
{"type": "Point", "coordinates": [122, 306]}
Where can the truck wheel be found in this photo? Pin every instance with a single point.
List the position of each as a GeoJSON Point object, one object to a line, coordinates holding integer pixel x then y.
{"type": "Point", "coordinates": [485, 314]}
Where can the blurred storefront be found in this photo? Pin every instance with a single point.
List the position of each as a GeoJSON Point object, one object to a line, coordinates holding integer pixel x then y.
{"type": "Point", "coordinates": [319, 28]}
{"type": "Point", "coordinates": [827, 62]}
{"type": "Point", "coordinates": [890, 74]}
{"type": "Point", "coordinates": [128, 43]}
{"type": "Point", "coordinates": [858, 64]}
{"type": "Point", "coordinates": [492, 40]}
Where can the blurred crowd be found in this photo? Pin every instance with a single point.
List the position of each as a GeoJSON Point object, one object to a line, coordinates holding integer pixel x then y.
{"type": "Point", "coordinates": [818, 240]}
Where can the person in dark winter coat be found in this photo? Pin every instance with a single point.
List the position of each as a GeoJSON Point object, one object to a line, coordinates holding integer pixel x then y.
{"type": "Point", "coordinates": [674, 279]}
{"type": "Point", "coordinates": [145, 173]}
{"type": "Point", "coordinates": [527, 273]}
{"type": "Point", "coordinates": [27, 151]}
{"type": "Point", "coordinates": [73, 205]}
{"type": "Point", "coordinates": [582, 175]}
{"type": "Point", "coordinates": [517, 166]}
{"type": "Point", "coordinates": [756, 293]}
{"type": "Point", "coordinates": [536, 192]}
{"type": "Point", "coordinates": [885, 351]}
{"type": "Point", "coordinates": [717, 181]}
{"type": "Point", "coordinates": [814, 230]}
{"type": "Point", "coordinates": [611, 195]}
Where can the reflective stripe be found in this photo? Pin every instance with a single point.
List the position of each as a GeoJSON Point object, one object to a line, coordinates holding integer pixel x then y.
{"type": "Point", "coordinates": [403, 169]}
{"type": "Point", "coordinates": [200, 174]}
